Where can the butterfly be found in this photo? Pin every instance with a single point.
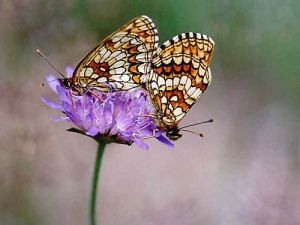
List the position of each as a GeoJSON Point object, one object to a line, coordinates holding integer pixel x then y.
{"type": "Point", "coordinates": [121, 62]}
{"type": "Point", "coordinates": [180, 74]}
{"type": "Point", "coordinates": [175, 74]}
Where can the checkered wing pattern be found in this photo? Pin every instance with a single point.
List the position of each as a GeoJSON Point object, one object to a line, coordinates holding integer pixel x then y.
{"type": "Point", "coordinates": [122, 60]}
{"type": "Point", "coordinates": [180, 75]}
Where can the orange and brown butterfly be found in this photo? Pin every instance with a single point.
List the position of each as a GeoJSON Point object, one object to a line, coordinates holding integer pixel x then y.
{"type": "Point", "coordinates": [120, 62]}
{"type": "Point", "coordinates": [180, 74]}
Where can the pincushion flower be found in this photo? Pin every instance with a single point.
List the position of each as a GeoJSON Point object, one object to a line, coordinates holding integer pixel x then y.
{"type": "Point", "coordinates": [120, 117]}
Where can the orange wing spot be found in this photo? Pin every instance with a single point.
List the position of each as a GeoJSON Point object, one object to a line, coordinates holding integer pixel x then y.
{"type": "Point", "coordinates": [104, 65]}
{"type": "Point", "coordinates": [133, 50]}
{"type": "Point", "coordinates": [177, 68]}
{"type": "Point", "coordinates": [100, 69]}
{"type": "Point", "coordinates": [136, 79]}
{"type": "Point", "coordinates": [133, 69]}
{"type": "Point", "coordinates": [180, 100]}
{"type": "Point", "coordinates": [168, 94]}
{"type": "Point", "coordinates": [187, 50]}
{"type": "Point", "coordinates": [109, 44]}
{"type": "Point", "coordinates": [185, 107]}
{"type": "Point", "coordinates": [158, 70]}
{"type": "Point", "coordinates": [143, 34]}
{"type": "Point", "coordinates": [174, 104]}
{"type": "Point", "coordinates": [124, 45]}
{"type": "Point", "coordinates": [101, 73]}
{"type": "Point", "coordinates": [94, 65]}
{"type": "Point", "coordinates": [201, 86]}
{"type": "Point", "coordinates": [193, 72]}
{"type": "Point", "coordinates": [179, 95]}
{"type": "Point", "coordinates": [186, 67]}
{"type": "Point", "coordinates": [194, 50]}
{"type": "Point", "coordinates": [167, 69]}
{"type": "Point", "coordinates": [131, 59]}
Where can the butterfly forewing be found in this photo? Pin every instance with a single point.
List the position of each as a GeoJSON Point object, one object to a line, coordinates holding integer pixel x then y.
{"type": "Point", "coordinates": [122, 60]}
{"type": "Point", "coordinates": [180, 75]}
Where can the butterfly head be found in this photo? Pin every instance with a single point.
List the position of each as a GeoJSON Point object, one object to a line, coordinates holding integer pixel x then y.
{"type": "Point", "coordinates": [173, 134]}
{"type": "Point", "coordinates": [66, 83]}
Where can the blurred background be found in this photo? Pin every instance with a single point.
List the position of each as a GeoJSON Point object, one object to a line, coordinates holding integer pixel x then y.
{"type": "Point", "coordinates": [244, 171]}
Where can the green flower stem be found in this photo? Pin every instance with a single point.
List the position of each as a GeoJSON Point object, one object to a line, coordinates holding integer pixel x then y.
{"type": "Point", "coordinates": [93, 196]}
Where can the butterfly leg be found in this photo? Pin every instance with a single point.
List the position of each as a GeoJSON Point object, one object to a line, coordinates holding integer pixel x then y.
{"type": "Point", "coordinates": [95, 95]}
{"type": "Point", "coordinates": [72, 100]}
{"type": "Point", "coordinates": [154, 132]}
{"type": "Point", "coordinates": [149, 137]}
{"type": "Point", "coordinates": [149, 116]}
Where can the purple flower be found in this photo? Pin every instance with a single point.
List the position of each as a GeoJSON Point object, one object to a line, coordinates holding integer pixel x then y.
{"type": "Point", "coordinates": [120, 117]}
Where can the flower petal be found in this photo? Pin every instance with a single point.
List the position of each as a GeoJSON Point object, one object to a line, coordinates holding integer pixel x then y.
{"type": "Point", "coordinates": [51, 104]}
{"type": "Point", "coordinates": [58, 119]}
{"type": "Point", "coordinates": [141, 144]}
{"type": "Point", "coordinates": [69, 71]}
{"type": "Point", "coordinates": [165, 141]}
{"type": "Point", "coordinates": [92, 132]}
{"type": "Point", "coordinates": [53, 82]}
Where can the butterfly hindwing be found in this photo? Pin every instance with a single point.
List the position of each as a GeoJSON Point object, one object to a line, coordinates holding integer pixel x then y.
{"type": "Point", "coordinates": [122, 60]}
{"type": "Point", "coordinates": [180, 75]}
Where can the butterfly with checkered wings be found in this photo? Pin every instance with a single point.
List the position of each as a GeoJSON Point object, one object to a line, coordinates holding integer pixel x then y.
{"type": "Point", "coordinates": [180, 75]}
{"type": "Point", "coordinates": [120, 62]}
{"type": "Point", "coordinates": [175, 75]}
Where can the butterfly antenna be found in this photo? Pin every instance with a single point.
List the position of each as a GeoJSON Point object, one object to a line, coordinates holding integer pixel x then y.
{"type": "Point", "coordinates": [195, 124]}
{"type": "Point", "coordinates": [48, 61]}
{"type": "Point", "coordinates": [192, 132]}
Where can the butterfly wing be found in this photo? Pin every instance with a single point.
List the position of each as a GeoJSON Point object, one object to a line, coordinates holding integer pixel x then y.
{"type": "Point", "coordinates": [122, 60]}
{"type": "Point", "coordinates": [180, 75]}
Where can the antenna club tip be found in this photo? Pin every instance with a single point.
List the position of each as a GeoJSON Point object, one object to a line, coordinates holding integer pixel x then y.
{"type": "Point", "coordinates": [211, 120]}
{"type": "Point", "coordinates": [201, 135]}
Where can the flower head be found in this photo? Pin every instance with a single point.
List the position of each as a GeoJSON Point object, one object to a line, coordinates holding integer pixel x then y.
{"type": "Point", "coordinates": [121, 117]}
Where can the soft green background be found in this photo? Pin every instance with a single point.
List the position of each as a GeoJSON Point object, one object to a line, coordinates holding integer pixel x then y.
{"type": "Point", "coordinates": [245, 170]}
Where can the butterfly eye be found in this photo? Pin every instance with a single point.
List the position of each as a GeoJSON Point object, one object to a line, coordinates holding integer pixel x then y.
{"type": "Point", "coordinates": [173, 134]}
{"type": "Point", "coordinates": [66, 83]}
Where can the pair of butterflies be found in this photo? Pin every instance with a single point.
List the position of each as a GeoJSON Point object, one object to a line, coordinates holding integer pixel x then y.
{"type": "Point", "coordinates": [175, 74]}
